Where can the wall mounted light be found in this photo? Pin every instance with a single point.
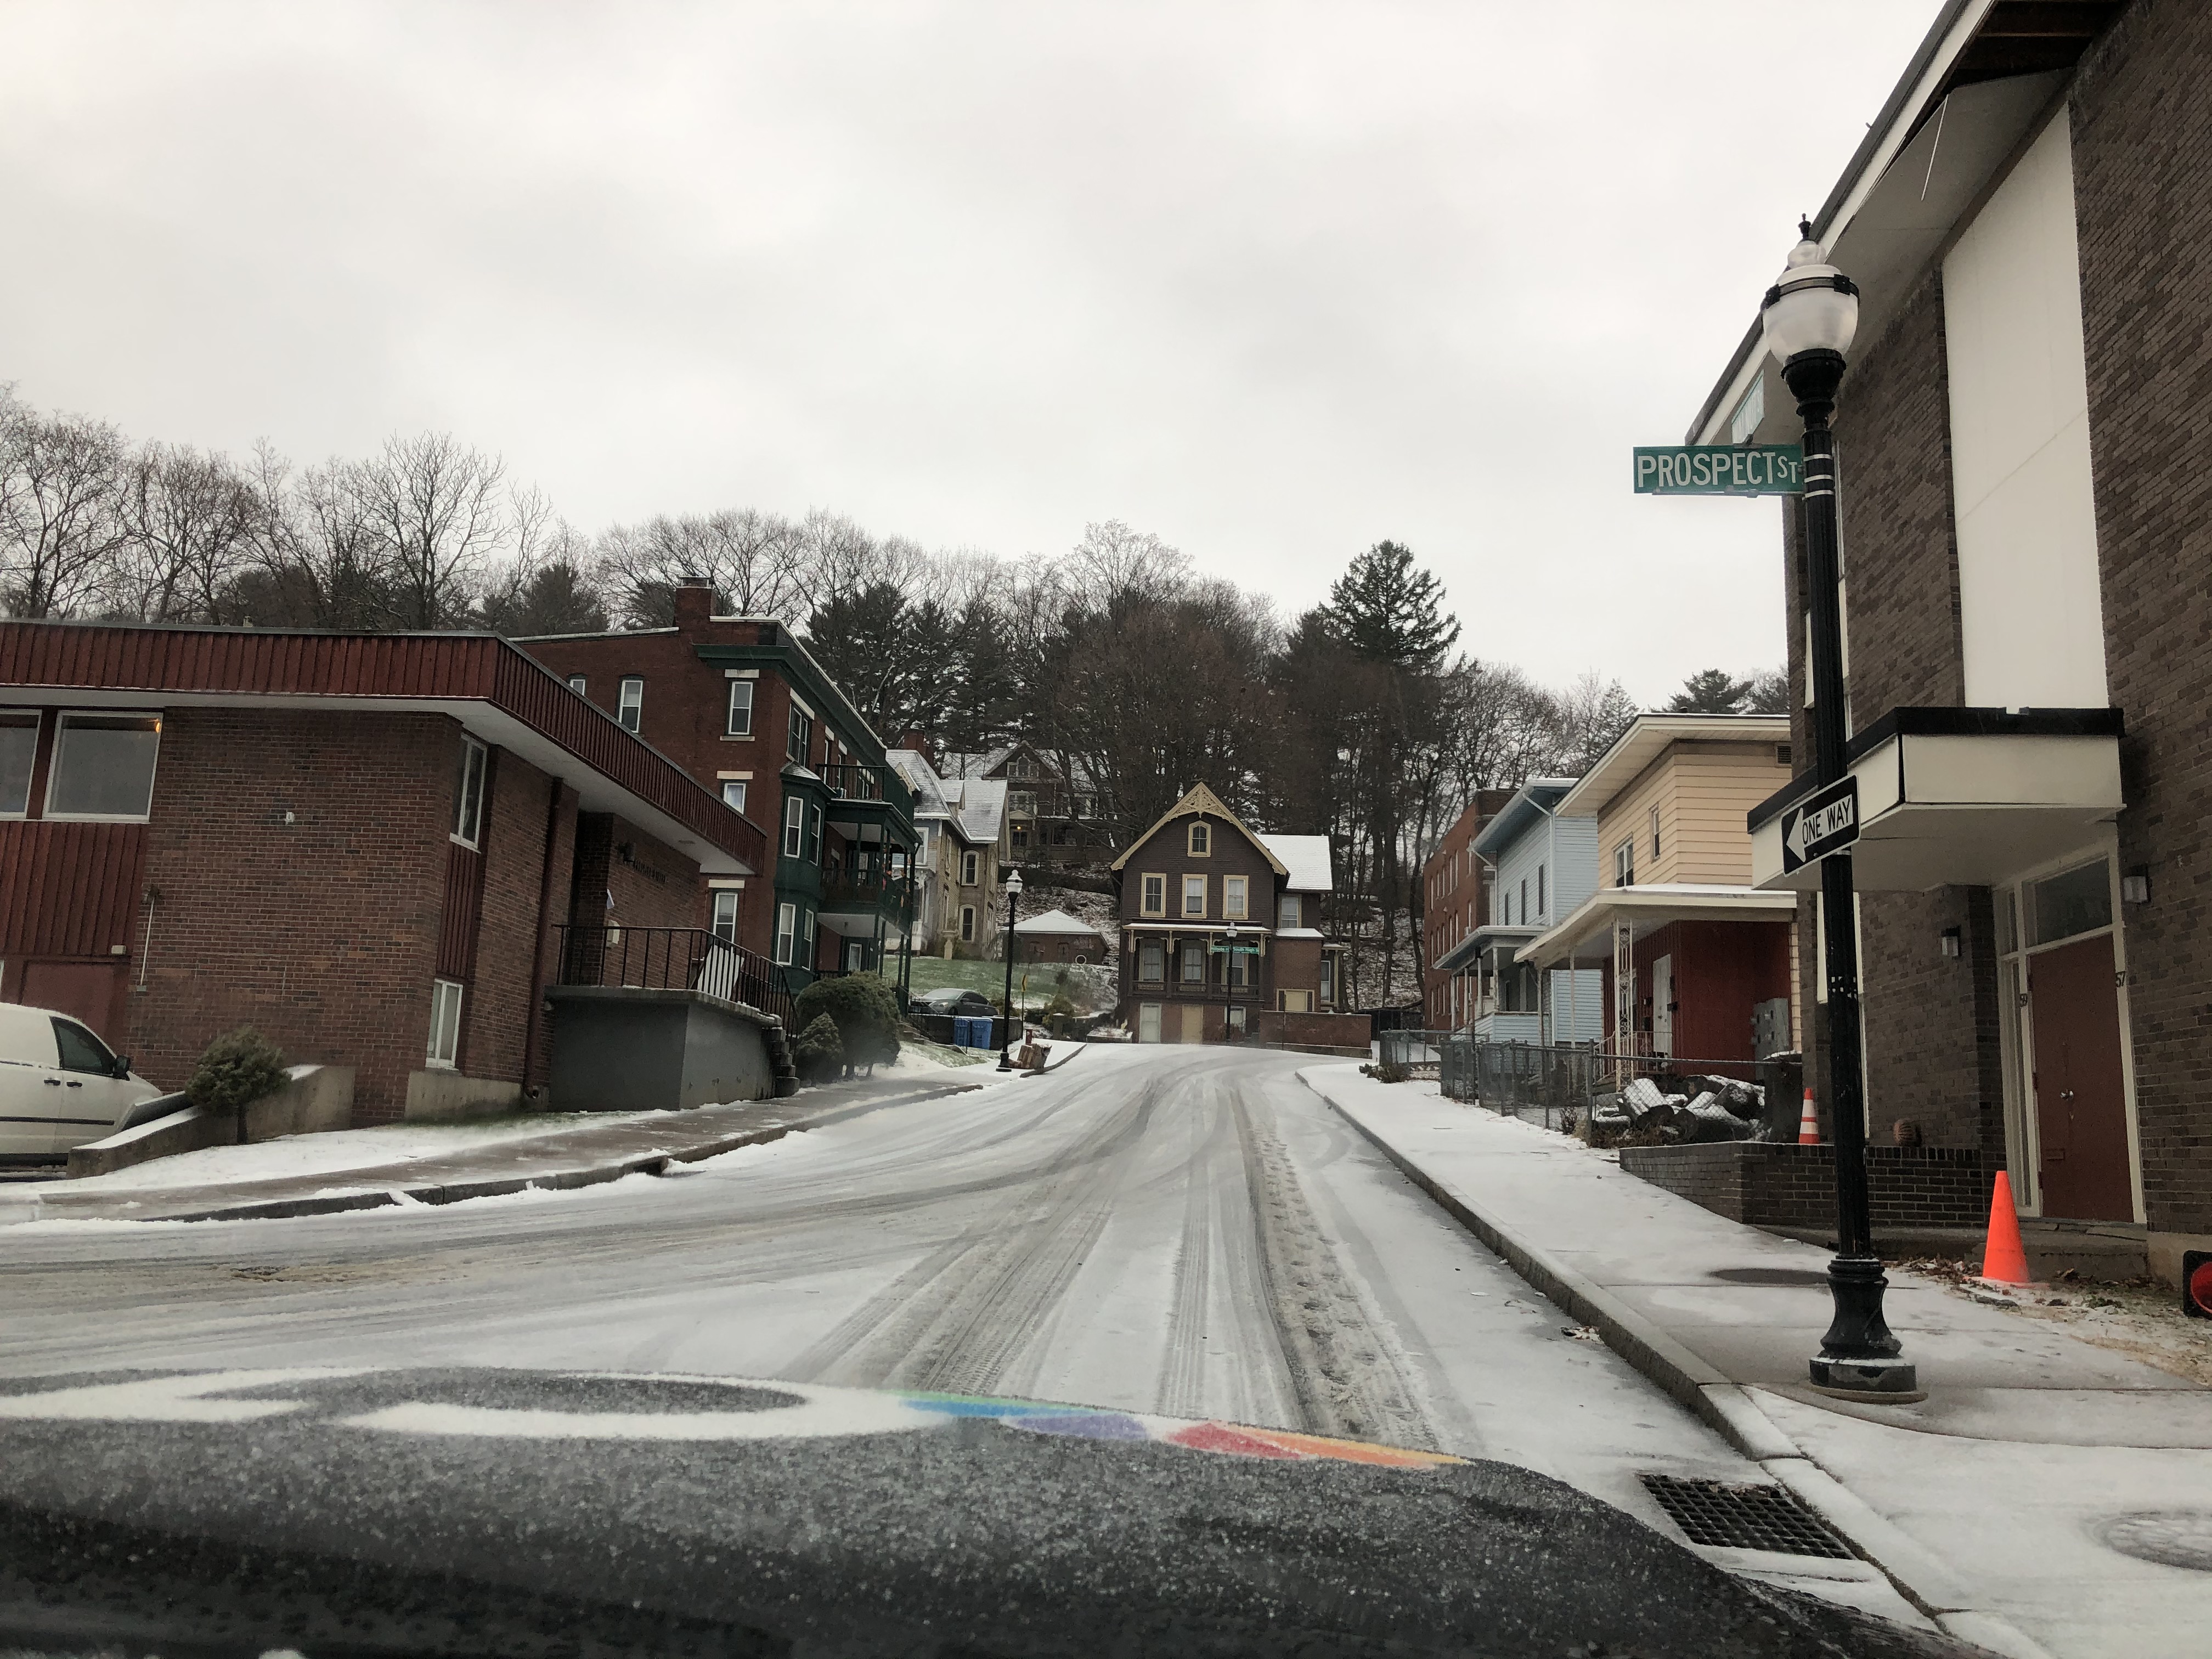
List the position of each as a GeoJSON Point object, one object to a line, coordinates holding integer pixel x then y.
{"type": "Point", "coordinates": [2135, 887]}
{"type": "Point", "coordinates": [1951, 941]}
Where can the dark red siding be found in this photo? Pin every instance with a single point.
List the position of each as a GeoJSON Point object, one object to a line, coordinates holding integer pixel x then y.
{"type": "Point", "coordinates": [69, 889]}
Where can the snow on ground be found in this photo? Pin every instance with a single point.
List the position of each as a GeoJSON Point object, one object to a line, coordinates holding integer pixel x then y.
{"type": "Point", "coordinates": [338, 1150]}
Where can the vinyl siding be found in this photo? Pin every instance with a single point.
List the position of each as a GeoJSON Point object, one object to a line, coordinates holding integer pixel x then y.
{"type": "Point", "coordinates": [1701, 792]}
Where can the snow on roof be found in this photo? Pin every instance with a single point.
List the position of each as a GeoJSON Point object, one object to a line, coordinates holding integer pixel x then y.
{"type": "Point", "coordinates": [920, 777]}
{"type": "Point", "coordinates": [1306, 857]}
{"type": "Point", "coordinates": [1054, 921]}
{"type": "Point", "coordinates": [983, 803]}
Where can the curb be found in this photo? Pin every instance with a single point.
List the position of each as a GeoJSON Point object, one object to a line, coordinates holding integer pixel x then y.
{"type": "Point", "coordinates": [1728, 1408]}
{"type": "Point", "coordinates": [567, 1179]}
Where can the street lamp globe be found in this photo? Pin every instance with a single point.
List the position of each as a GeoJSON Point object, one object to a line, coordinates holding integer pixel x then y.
{"type": "Point", "coordinates": [1812, 307]}
{"type": "Point", "coordinates": [1013, 883]}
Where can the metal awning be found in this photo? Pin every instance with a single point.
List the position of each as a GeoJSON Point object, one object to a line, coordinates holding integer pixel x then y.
{"type": "Point", "coordinates": [1587, 935]}
{"type": "Point", "coordinates": [1966, 797]}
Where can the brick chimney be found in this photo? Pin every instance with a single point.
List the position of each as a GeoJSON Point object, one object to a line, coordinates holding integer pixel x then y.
{"type": "Point", "coordinates": [920, 743]}
{"type": "Point", "coordinates": [694, 601]}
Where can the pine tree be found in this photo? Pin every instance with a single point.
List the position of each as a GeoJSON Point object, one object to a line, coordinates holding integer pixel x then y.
{"type": "Point", "coordinates": [1709, 691]}
{"type": "Point", "coordinates": [1389, 610]}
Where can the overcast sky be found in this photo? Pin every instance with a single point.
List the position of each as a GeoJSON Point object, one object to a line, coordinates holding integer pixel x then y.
{"type": "Point", "coordinates": [1274, 281]}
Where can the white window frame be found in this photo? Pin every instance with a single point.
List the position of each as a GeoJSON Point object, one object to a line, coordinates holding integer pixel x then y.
{"type": "Point", "coordinates": [1624, 863]}
{"type": "Point", "coordinates": [967, 924]}
{"type": "Point", "coordinates": [475, 759]}
{"type": "Point", "coordinates": [579, 684]}
{"type": "Point", "coordinates": [1199, 839]}
{"type": "Point", "coordinates": [1290, 909]}
{"type": "Point", "coordinates": [739, 723]}
{"type": "Point", "coordinates": [1655, 835]}
{"type": "Point", "coordinates": [1158, 952]}
{"type": "Point", "coordinates": [443, 1051]}
{"type": "Point", "coordinates": [798, 735]}
{"type": "Point", "coordinates": [971, 867]}
{"type": "Point", "coordinates": [733, 795]}
{"type": "Point", "coordinates": [1236, 897]}
{"type": "Point", "coordinates": [1189, 951]}
{"type": "Point", "coordinates": [629, 704]}
{"type": "Point", "coordinates": [723, 918]}
{"type": "Point", "coordinates": [786, 931]}
{"type": "Point", "coordinates": [794, 826]}
{"type": "Point", "coordinates": [54, 764]}
{"type": "Point", "coordinates": [1202, 895]}
{"type": "Point", "coordinates": [1153, 894]}
{"type": "Point", "coordinates": [813, 834]}
{"type": "Point", "coordinates": [1541, 910]}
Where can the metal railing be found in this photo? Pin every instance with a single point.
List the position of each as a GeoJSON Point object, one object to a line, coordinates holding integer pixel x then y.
{"type": "Point", "coordinates": [672, 959]}
{"type": "Point", "coordinates": [859, 782]}
{"type": "Point", "coordinates": [843, 891]}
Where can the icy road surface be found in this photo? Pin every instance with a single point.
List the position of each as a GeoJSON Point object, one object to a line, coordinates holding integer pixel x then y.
{"type": "Point", "coordinates": [1184, 1231]}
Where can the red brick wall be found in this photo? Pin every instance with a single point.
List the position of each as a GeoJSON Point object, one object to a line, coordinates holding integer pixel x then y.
{"type": "Point", "coordinates": [321, 932]}
{"type": "Point", "coordinates": [1445, 916]}
{"type": "Point", "coordinates": [2142, 148]}
{"type": "Point", "coordinates": [502, 998]}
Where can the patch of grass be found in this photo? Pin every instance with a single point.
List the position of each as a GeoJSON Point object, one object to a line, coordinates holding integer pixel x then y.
{"type": "Point", "coordinates": [1092, 986]}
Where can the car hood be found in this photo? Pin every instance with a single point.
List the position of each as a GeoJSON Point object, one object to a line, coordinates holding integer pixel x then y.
{"type": "Point", "coordinates": [487, 1511]}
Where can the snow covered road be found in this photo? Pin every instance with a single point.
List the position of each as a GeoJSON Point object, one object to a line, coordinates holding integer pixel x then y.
{"type": "Point", "coordinates": [1176, 1230]}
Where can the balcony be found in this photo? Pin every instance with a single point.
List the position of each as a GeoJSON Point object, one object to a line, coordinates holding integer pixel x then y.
{"type": "Point", "coordinates": [869, 794]}
{"type": "Point", "coordinates": [671, 959]}
{"type": "Point", "coordinates": [847, 894]}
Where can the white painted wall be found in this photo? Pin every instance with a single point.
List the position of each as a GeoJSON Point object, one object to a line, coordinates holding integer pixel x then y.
{"type": "Point", "coordinates": [2031, 616]}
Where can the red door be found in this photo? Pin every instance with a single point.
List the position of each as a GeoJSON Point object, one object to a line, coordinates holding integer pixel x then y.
{"type": "Point", "coordinates": [2080, 1111]}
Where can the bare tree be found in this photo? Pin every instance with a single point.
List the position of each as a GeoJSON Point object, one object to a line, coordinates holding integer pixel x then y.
{"type": "Point", "coordinates": [61, 482]}
{"type": "Point", "coordinates": [188, 524]}
{"type": "Point", "coordinates": [435, 508]}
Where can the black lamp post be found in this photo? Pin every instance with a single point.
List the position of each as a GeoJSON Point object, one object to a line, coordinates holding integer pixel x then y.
{"type": "Point", "coordinates": [1013, 893]}
{"type": "Point", "coordinates": [1810, 314]}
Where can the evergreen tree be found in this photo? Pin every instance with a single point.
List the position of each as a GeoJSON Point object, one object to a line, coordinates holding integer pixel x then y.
{"type": "Point", "coordinates": [1389, 610]}
{"type": "Point", "coordinates": [1709, 691]}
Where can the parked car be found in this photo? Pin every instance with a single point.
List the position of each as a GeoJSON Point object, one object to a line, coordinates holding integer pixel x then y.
{"type": "Point", "coordinates": [60, 1085]}
{"type": "Point", "coordinates": [953, 1000]}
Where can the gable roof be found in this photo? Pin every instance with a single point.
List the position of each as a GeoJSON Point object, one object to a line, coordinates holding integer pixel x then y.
{"type": "Point", "coordinates": [1532, 802]}
{"type": "Point", "coordinates": [1056, 922]}
{"type": "Point", "coordinates": [982, 803]}
{"type": "Point", "coordinates": [1202, 802]}
{"type": "Point", "coordinates": [1304, 859]}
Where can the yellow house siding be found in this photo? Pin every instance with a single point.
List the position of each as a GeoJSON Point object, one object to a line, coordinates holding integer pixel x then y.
{"type": "Point", "coordinates": [1701, 792]}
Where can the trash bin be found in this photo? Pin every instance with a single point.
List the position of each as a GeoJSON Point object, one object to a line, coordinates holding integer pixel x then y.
{"type": "Point", "coordinates": [964, 1028]}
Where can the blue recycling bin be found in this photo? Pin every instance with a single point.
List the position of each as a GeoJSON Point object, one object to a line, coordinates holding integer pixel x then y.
{"type": "Point", "coordinates": [963, 1031]}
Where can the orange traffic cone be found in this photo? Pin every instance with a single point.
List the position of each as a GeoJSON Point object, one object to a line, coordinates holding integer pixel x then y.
{"type": "Point", "coordinates": [1808, 1124]}
{"type": "Point", "coordinates": [2003, 1260]}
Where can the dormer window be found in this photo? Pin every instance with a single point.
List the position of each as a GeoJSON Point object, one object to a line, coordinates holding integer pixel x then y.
{"type": "Point", "coordinates": [1201, 840]}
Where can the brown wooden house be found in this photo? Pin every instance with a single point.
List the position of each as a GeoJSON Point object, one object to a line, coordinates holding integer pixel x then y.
{"type": "Point", "coordinates": [1220, 932]}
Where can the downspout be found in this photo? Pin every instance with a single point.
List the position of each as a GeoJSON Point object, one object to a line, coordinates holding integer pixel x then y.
{"type": "Point", "coordinates": [536, 1013]}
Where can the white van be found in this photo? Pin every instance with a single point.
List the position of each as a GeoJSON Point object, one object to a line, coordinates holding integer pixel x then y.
{"type": "Point", "coordinates": [60, 1085]}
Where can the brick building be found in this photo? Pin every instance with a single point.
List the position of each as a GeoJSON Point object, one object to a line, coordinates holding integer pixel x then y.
{"type": "Point", "coordinates": [741, 704]}
{"type": "Point", "coordinates": [1220, 934]}
{"type": "Point", "coordinates": [1454, 902]}
{"type": "Point", "coordinates": [363, 846]}
{"type": "Point", "coordinates": [2024, 605]}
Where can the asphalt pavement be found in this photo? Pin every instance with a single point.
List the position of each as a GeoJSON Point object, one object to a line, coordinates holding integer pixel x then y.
{"type": "Point", "coordinates": [1185, 1231]}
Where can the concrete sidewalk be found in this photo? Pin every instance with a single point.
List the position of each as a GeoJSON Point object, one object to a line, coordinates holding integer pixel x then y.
{"type": "Point", "coordinates": [2049, 1497]}
{"type": "Point", "coordinates": [582, 1157]}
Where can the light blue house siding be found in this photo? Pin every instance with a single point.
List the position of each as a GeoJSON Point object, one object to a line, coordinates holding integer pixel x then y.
{"type": "Point", "coordinates": [1547, 866]}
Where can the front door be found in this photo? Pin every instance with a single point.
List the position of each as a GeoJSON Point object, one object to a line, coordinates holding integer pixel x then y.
{"type": "Point", "coordinates": [2080, 1108]}
{"type": "Point", "coordinates": [1148, 1022]}
{"type": "Point", "coordinates": [1663, 1006]}
{"type": "Point", "coordinates": [1193, 1021]}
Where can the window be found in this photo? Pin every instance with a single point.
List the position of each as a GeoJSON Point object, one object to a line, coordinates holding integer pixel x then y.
{"type": "Point", "coordinates": [1233, 891]}
{"type": "Point", "coordinates": [1201, 840]}
{"type": "Point", "coordinates": [468, 794]}
{"type": "Point", "coordinates": [1193, 962]}
{"type": "Point", "coordinates": [733, 796]}
{"type": "Point", "coordinates": [794, 826]}
{"type": "Point", "coordinates": [1624, 865]}
{"type": "Point", "coordinates": [578, 684]}
{"type": "Point", "coordinates": [806, 935]}
{"type": "Point", "coordinates": [1155, 900]}
{"type": "Point", "coordinates": [1297, 1002]}
{"type": "Point", "coordinates": [970, 869]}
{"type": "Point", "coordinates": [1328, 977]}
{"type": "Point", "coordinates": [814, 834]}
{"type": "Point", "coordinates": [81, 1051]}
{"type": "Point", "coordinates": [1237, 968]}
{"type": "Point", "coordinates": [445, 1049]}
{"type": "Point", "coordinates": [2079, 901]}
{"type": "Point", "coordinates": [1022, 803]}
{"type": "Point", "coordinates": [1655, 832]}
{"type": "Point", "coordinates": [1541, 911]}
{"type": "Point", "coordinates": [1086, 807]}
{"type": "Point", "coordinates": [103, 766]}
{"type": "Point", "coordinates": [1018, 767]}
{"type": "Point", "coordinates": [1286, 911]}
{"type": "Point", "coordinates": [800, 734]}
{"type": "Point", "coordinates": [740, 723]}
{"type": "Point", "coordinates": [1525, 899]}
{"type": "Point", "coordinates": [967, 924]}
{"type": "Point", "coordinates": [1152, 963]}
{"type": "Point", "coordinates": [19, 749]}
{"type": "Point", "coordinates": [630, 708]}
{"type": "Point", "coordinates": [725, 923]}
{"type": "Point", "coordinates": [1021, 836]}
{"type": "Point", "coordinates": [786, 931]}
{"type": "Point", "coordinates": [1194, 895]}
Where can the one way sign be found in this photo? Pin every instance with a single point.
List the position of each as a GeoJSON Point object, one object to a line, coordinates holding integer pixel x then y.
{"type": "Point", "coordinates": [1825, 822]}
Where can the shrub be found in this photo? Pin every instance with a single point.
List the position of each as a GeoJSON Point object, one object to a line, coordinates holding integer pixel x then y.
{"type": "Point", "coordinates": [818, 1055]}
{"type": "Point", "coordinates": [234, 1071]}
{"type": "Point", "coordinates": [867, 1013]}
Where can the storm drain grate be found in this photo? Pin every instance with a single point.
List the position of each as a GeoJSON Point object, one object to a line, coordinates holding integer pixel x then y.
{"type": "Point", "coordinates": [1744, 1517]}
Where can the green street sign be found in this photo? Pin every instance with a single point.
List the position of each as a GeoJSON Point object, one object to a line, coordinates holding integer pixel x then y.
{"type": "Point", "coordinates": [1720, 470]}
